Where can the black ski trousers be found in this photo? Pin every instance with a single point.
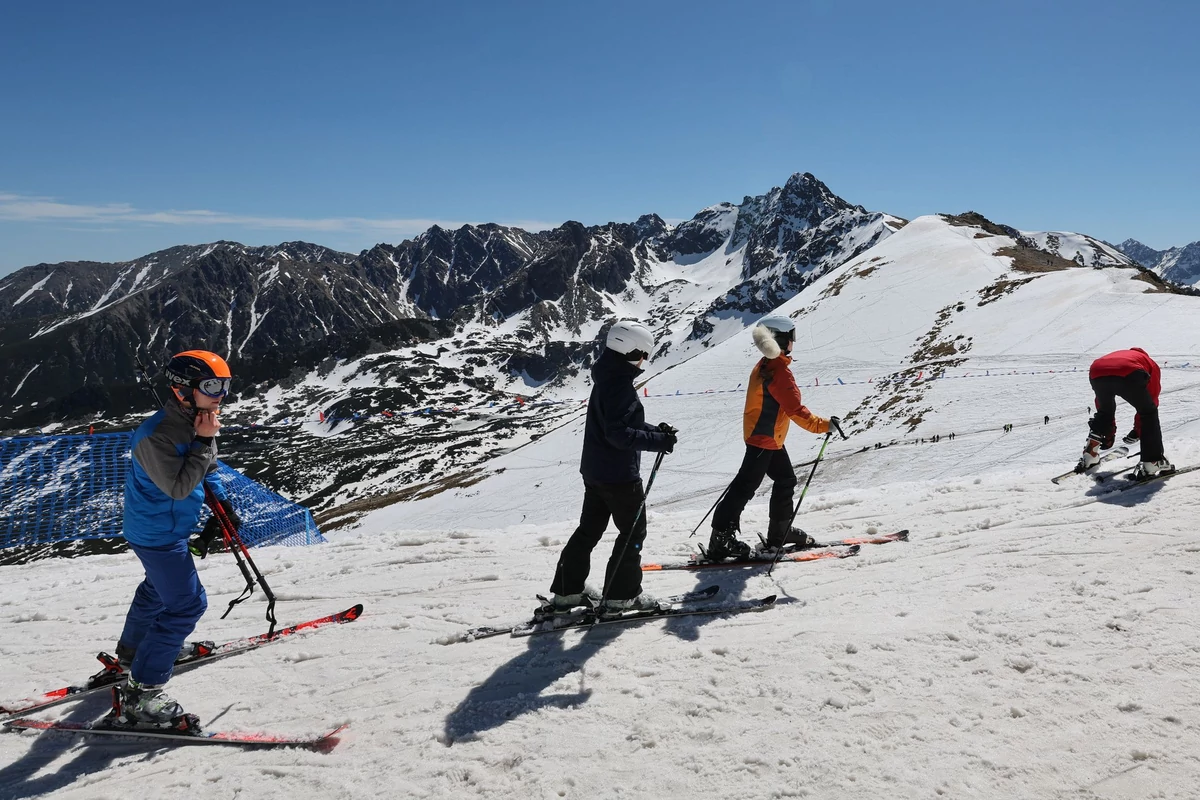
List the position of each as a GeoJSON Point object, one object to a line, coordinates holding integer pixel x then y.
{"type": "Point", "coordinates": [1132, 389]}
{"type": "Point", "coordinates": [622, 502]}
{"type": "Point", "coordinates": [757, 464]}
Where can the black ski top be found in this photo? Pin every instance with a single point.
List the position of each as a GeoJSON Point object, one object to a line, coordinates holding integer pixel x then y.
{"type": "Point", "coordinates": [616, 424]}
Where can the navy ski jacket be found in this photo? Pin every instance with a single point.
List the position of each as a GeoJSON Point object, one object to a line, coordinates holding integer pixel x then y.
{"type": "Point", "coordinates": [616, 428]}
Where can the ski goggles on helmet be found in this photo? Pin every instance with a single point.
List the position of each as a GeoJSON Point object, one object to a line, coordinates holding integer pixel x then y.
{"type": "Point", "coordinates": [212, 387]}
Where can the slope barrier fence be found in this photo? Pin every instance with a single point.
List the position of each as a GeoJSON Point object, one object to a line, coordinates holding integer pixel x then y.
{"type": "Point", "coordinates": [66, 488]}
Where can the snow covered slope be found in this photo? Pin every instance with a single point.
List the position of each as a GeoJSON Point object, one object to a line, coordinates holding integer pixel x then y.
{"type": "Point", "coordinates": [1031, 641]}
{"type": "Point", "coordinates": [932, 300]}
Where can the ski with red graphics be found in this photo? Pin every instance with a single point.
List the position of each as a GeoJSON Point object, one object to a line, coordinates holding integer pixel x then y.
{"type": "Point", "coordinates": [112, 674]}
{"type": "Point", "coordinates": [257, 739]}
{"type": "Point", "coordinates": [898, 536]}
{"type": "Point", "coordinates": [810, 554]}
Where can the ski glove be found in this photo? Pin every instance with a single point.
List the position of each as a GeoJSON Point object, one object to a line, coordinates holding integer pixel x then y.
{"type": "Point", "coordinates": [670, 436]}
{"type": "Point", "coordinates": [836, 424]}
{"type": "Point", "coordinates": [1131, 438]}
{"type": "Point", "coordinates": [200, 545]}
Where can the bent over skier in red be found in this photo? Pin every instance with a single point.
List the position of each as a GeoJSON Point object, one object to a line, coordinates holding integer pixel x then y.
{"type": "Point", "coordinates": [1133, 376]}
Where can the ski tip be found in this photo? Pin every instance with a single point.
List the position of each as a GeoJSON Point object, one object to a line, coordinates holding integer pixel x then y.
{"type": "Point", "coordinates": [852, 550]}
{"type": "Point", "coordinates": [353, 613]}
{"type": "Point", "coordinates": [329, 740]}
{"type": "Point", "coordinates": [709, 591]}
{"type": "Point", "coordinates": [769, 600]}
{"type": "Point", "coordinates": [902, 535]}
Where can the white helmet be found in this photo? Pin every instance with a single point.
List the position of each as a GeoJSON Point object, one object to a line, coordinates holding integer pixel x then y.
{"type": "Point", "coordinates": [773, 334]}
{"type": "Point", "coordinates": [631, 339]}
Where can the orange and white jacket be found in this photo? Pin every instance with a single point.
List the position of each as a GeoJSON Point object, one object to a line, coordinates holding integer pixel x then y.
{"type": "Point", "coordinates": [773, 400]}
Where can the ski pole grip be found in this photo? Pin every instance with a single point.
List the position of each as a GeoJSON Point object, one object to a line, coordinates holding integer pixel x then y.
{"type": "Point", "coordinates": [836, 424]}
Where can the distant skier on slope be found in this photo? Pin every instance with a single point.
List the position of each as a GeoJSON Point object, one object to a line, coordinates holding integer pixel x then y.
{"type": "Point", "coordinates": [174, 452]}
{"type": "Point", "coordinates": [614, 435]}
{"type": "Point", "coordinates": [772, 403]}
{"type": "Point", "coordinates": [1134, 377]}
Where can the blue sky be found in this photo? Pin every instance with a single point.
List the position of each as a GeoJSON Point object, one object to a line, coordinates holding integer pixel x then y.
{"type": "Point", "coordinates": [130, 127]}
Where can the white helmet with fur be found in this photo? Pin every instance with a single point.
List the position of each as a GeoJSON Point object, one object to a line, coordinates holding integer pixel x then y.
{"type": "Point", "coordinates": [773, 334]}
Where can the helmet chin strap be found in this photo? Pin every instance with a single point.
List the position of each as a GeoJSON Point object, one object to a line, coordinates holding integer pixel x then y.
{"type": "Point", "coordinates": [188, 402]}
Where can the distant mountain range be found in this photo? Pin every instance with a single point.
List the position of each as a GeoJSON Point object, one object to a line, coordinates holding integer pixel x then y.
{"type": "Point", "coordinates": [465, 319]}
{"type": "Point", "coordinates": [1178, 264]}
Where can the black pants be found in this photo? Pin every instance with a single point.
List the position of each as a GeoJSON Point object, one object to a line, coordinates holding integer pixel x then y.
{"type": "Point", "coordinates": [622, 502]}
{"type": "Point", "coordinates": [757, 464]}
{"type": "Point", "coordinates": [1132, 389]}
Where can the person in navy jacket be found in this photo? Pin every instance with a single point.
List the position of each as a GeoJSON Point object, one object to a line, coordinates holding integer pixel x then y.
{"type": "Point", "coordinates": [174, 456]}
{"type": "Point", "coordinates": [614, 436]}
{"type": "Point", "coordinates": [1133, 376]}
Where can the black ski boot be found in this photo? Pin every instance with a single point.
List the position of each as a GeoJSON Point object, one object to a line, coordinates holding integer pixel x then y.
{"type": "Point", "coordinates": [782, 536]}
{"type": "Point", "coordinates": [725, 544]}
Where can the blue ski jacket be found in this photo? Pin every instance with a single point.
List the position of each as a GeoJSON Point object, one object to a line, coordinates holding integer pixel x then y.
{"type": "Point", "coordinates": [163, 484]}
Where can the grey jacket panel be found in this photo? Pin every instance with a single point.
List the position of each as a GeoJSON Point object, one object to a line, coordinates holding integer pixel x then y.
{"type": "Point", "coordinates": [171, 456]}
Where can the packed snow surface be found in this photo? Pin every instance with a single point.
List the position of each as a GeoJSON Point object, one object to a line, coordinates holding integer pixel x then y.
{"type": "Point", "coordinates": [1032, 640]}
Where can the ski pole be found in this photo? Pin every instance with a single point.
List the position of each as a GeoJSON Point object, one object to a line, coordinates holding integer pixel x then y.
{"type": "Point", "coordinates": [796, 510]}
{"type": "Point", "coordinates": [711, 510]}
{"type": "Point", "coordinates": [242, 555]}
{"type": "Point", "coordinates": [632, 528]}
{"type": "Point", "coordinates": [719, 499]}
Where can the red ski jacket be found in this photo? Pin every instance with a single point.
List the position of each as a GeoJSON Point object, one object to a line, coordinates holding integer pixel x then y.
{"type": "Point", "coordinates": [1124, 362]}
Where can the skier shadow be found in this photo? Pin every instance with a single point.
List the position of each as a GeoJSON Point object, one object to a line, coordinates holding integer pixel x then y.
{"type": "Point", "coordinates": [1128, 498]}
{"type": "Point", "coordinates": [516, 687]}
{"type": "Point", "coordinates": [23, 779]}
{"type": "Point", "coordinates": [732, 581]}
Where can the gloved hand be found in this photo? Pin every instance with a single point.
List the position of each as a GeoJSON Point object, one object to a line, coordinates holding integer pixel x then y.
{"type": "Point", "coordinates": [670, 436]}
{"type": "Point", "coordinates": [200, 545]}
{"type": "Point", "coordinates": [1131, 438]}
{"type": "Point", "coordinates": [835, 423]}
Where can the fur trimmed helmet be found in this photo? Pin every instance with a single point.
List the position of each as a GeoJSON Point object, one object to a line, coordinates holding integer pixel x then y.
{"type": "Point", "coordinates": [773, 334]}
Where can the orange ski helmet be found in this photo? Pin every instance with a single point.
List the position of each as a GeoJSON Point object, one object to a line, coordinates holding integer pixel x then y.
{"type": "Point", "coordinates": [199, 370]}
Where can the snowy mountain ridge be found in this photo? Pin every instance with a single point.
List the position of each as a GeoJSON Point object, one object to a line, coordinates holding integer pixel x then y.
{"type": "Point", "coordinates": [1178, 264]}
{"type": "Point", "coordinates": [464, 318]}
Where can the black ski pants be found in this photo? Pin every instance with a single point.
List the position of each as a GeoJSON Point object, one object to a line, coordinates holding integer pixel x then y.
{"type": "Point", "coordinates": [1131, 388]}
{"type": "Point", "coordinates": [622, 502]}
{"type": "Point", "coordinates": [757, 464]}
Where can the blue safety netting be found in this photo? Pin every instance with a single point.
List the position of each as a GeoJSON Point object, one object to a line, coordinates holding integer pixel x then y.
{"type": "Point", "coordinates": [63, 488]}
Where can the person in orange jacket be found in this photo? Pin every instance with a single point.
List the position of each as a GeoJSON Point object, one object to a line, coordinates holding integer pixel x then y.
{"type": "Point", "coordinates": [1133, 376]}
{"type": "Point", "coordinates": [772, 403]}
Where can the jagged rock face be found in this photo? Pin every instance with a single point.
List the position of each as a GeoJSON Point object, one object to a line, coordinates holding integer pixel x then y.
{"type": "Point", "coordinates": [261, 307]}
{"type": "Point", "coordinates": [69, 331]}
{"type": "Point", "coordinates": [1178, 264]}
{"type": "Point", "coordinates": [1181, 264]}
{"type": "Point", "coordinates": [1146, 256]}
{"type": "Point", "coordinates": [449, 318]}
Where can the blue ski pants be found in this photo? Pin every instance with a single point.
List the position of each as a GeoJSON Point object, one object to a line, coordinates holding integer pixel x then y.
{"type": "Point", "coordinates": [166, 607]}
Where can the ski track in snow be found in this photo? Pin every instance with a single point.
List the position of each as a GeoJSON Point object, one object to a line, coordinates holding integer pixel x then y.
{"type": "Point", "coordinates": [1030, 641]}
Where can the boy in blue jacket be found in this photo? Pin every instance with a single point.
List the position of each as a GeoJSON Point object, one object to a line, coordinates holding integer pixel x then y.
{"type": "Point", "coordinates": [174, 455]}
{"type": "Point", "coordinates": [615, 434]}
